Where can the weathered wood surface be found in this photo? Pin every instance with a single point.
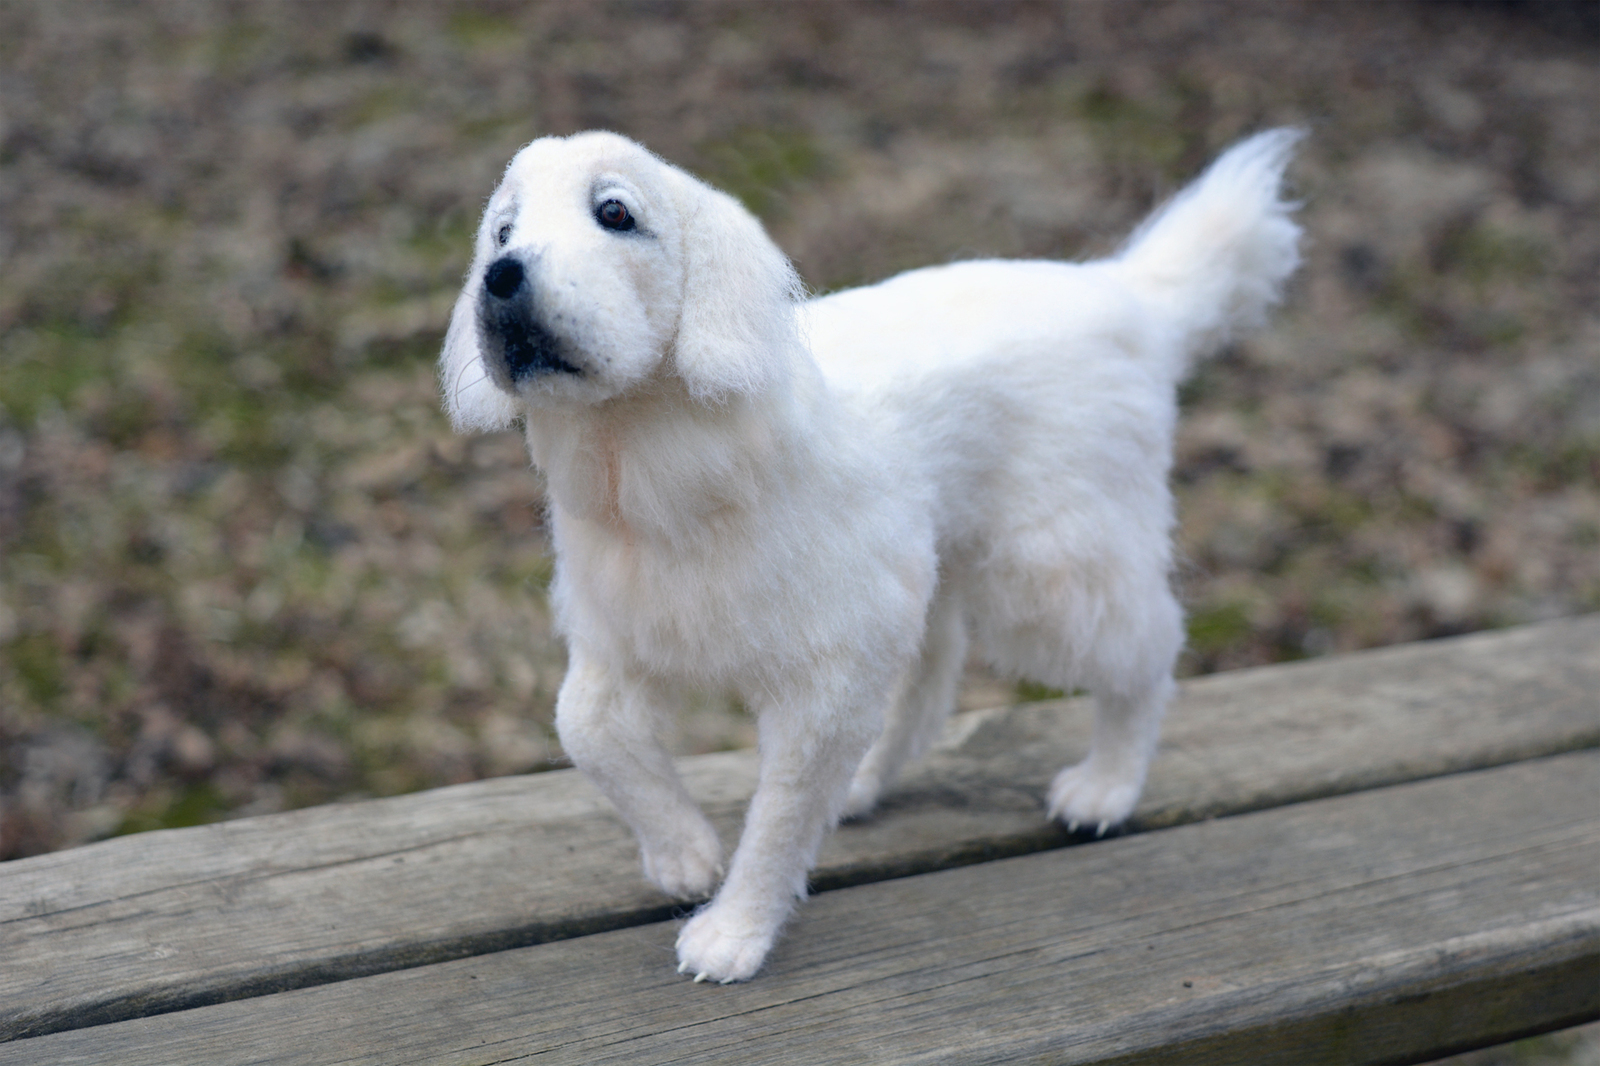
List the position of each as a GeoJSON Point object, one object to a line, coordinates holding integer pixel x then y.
{"type": "Point", "coordinates": [182, 918]}
{"type": "Point", "coordinates": [1387, 925]}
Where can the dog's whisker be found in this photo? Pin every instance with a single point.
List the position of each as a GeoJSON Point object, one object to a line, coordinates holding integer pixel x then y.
{"type": "Point", "coordinates": [472, 384]}
{"type": "Point", "coordinates": [459, 388]}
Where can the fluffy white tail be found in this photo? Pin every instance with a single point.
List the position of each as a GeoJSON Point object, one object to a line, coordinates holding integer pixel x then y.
{"type": "Point", "coordinates": [1214, 259]}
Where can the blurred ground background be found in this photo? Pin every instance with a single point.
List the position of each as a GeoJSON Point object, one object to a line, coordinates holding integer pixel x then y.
{"type": "Point", "coordinates": [245, 566]}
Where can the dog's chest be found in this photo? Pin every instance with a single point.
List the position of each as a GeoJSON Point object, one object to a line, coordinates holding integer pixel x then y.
{"type": "Point", "coordinates": [672, 609]}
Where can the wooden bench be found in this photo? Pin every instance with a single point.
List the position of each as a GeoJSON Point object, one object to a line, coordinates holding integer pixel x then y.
{"type": "Point", "coordinates": [1386, 856]}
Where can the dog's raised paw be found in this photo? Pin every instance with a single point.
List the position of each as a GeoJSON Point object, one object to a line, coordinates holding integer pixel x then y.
{"type": "Point", "coordinates": [715, 945]}
{"type": "Point", "coordinates": [688, 866]}
{"type": "Point", "coordinates": [1091, 797]}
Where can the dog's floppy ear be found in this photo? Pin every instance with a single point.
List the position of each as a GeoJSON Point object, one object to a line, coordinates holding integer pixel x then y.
{"type": "Point", "coordinates": [737, 331]}
{"type": "Point", "coordinates": [471, 399]}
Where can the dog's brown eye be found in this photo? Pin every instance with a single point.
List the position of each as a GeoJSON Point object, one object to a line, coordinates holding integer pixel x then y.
{"type": "Point", "coordinates": [612, 215]}
{"type": "Point", "coordinates": [503, 235]}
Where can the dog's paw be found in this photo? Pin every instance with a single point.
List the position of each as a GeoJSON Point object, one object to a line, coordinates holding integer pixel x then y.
{"type": "Point", "coordinates": [719, 944]}
{"type": "Point", "coordinates": [1091, 796]}
{"type": "Point", "coordinates": [688, 866]}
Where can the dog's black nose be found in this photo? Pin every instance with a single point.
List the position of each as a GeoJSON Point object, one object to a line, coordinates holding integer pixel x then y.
{"type": "Point", "coordinates": [503, 278]}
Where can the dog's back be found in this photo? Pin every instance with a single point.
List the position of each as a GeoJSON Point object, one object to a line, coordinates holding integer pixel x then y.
{"type": "Point", "coordinates": [1044, 392]}
{"type": "Point", "coordinates": [1206, 265]}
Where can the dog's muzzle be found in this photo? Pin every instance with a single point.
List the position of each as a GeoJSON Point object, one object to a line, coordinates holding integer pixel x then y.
{"type": "Point", "coordinates": [515, 343]}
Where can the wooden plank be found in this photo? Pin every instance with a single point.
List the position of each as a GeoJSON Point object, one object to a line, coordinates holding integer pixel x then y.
{"type": "Point", "coordinates": [1247, 740]}
{"type": "Point", "coordinates": [1393, 924]}
{"type": "Point", "coordinates": [176, 919]}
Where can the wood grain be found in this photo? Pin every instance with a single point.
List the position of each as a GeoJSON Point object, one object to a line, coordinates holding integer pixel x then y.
{"type": "Point", "coordinates": [1392, 924]}
{"type": "Point", "coordinates": [182, 918]}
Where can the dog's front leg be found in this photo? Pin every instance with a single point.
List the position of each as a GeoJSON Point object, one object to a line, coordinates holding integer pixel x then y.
{"type": "Point", "coordinates": [807, 758]}
{"type": "Point", "coordinates": [611, 727]}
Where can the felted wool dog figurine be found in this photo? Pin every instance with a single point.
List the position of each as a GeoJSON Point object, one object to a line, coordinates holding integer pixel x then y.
{"type": "Point", "coordinates": [817, 505]}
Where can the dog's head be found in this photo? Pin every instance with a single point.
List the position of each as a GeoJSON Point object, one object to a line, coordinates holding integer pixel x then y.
{"type": "Point", "coordinates": [599, 267]}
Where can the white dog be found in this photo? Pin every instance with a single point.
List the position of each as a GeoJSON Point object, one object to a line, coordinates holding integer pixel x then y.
{"type": "Point", "coordinates": [816, 505]}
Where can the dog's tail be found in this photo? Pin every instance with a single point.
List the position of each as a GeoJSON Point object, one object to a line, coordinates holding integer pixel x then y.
{"type": "Point", "coordinates": [1214, 259]}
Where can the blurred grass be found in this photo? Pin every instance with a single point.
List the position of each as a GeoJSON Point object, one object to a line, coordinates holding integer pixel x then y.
{"type": "Point", "coordinates": [244, 564]}
{"type": "Point", "coordinates": [760, 166]}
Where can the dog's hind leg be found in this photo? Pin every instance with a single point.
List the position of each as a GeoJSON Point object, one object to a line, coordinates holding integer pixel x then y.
{"type": "Point", "coordinates": [807, 755]}
{"type": "Point", "coordinates": [916, 717]}
{"type": "Point", "coordinates": [611, 728]}
{"type": "Point", "coordinates": [1131, 695]}
{"type": "Point", "coordinates": [1100, 791]}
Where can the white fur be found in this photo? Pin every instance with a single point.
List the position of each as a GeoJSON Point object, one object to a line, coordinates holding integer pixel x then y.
{"type": "Point", "coordinates": [818, 505]}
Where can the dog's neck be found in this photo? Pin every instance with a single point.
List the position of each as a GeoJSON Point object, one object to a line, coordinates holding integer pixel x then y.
{"type": "Point", "coordinates": [657, 463]}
